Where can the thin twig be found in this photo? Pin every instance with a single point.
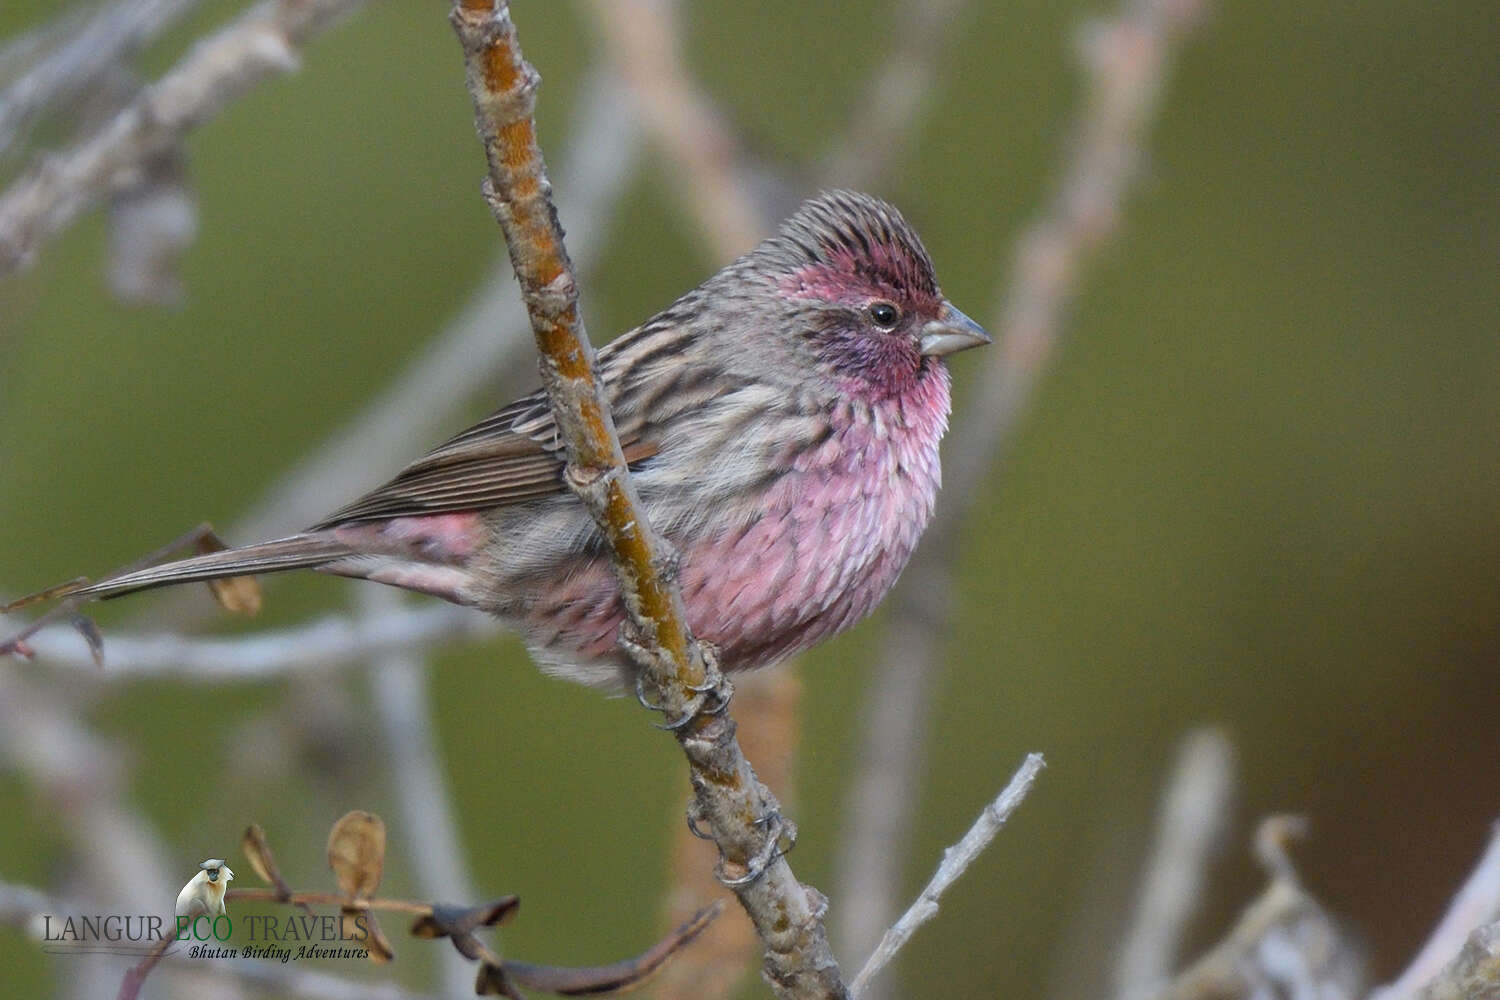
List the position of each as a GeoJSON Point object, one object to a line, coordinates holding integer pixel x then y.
{"type": "Point", "coordinates": [730, 799]}
{"type": "Point", "coordinates": [1193, 818]}
{"type": "Point", "coordinates": [956, 861]}
{"type": "Point", "coordinates": [261, 43]}
{"type": "Point", "coordinates": [1127, 58]}
{"type": "Point", "coordinates": [643, 40]}
{"type": "Point", "coordinates": [1476, 904]}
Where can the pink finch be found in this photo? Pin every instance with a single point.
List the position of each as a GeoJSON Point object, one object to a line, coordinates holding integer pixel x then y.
{"type": "Point", "coordinates": [781, 421]}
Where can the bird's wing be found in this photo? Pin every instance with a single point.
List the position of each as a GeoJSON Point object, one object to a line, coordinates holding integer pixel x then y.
{"type": "Point", "coordinates": [512, 455]}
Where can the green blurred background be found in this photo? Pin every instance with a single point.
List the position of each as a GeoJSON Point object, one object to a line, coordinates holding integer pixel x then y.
{"type": "Point", "coordinates": [1259, 489]}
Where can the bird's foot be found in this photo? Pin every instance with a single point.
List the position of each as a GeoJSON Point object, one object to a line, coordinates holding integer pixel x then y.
{"type": "Point", "coordinates": [781, 837]}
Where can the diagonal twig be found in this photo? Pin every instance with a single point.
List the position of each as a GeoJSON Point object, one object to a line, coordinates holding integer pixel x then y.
{"type": "Point", "coordinates": [956, 861]}
{"type": "Point", "coordinates": [87, 52]}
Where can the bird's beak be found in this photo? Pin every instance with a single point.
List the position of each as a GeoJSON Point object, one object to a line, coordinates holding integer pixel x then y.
{"type": "Point", "coordinates": [951, 331]}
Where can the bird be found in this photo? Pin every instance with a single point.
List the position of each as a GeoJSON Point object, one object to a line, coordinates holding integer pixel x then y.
{"type": "Point", "coordinates": [781, 422]}
{"type": "Point", "coordinates": [203, 896]}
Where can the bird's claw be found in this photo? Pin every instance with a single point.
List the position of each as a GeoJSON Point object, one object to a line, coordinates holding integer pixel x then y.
{"type": "Point", "coordinates": [709, 698]}
{"type": "Point", "coordinates": [781, 837]}
{"type": "Point", "coordinates": [694, 817]}
{"type": "Point", "coordinates": [640, 695]}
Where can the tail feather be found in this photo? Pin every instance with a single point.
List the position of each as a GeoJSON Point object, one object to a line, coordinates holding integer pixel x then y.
{"type": "Point", "coordinates": [294, 552]}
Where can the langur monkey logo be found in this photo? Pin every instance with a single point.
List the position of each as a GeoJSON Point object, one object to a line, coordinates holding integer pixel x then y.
{"type": "Point", "coordinates": [203, 896]}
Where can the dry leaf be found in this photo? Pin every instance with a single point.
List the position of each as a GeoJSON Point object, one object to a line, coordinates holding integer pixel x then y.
{"type": "Point", "coordinates": [446, 919]}
{"type": "Point", "coordinates": [258, 850]}
{"type": "Point", "coordinates": [358, 925]}
{"type": "Point", "coordinates": [239, 595]}
{"type": "Point", "coordinates": [356, 852]}
{"type": "Point", "coordinates": [494, 982]}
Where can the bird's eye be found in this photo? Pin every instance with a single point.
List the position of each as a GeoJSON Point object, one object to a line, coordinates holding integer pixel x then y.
{"type": "Point", "coordinates": [884, 315]}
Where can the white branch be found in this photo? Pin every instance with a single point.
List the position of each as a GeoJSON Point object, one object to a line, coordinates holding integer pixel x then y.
{"type": "Point", "coordinates": [261, 43]}
{"type": "Point", "coordinates": [1194, 815]}
{"type": "Point", "coordinates": [1477, 903]}
{"type": "Point", "coordinates": [113, 33]}
{"type": "Point", "coordinates": [956, 861]}
{"type": "Point", "coordinates": [331, 642]}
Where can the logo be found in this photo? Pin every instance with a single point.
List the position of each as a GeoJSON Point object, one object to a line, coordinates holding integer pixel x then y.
{"type": "Point", "coordinates": [203, 924]}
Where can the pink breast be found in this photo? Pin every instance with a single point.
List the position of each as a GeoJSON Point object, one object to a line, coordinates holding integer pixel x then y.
{"type": "Point", "coordinates": [830, 539]}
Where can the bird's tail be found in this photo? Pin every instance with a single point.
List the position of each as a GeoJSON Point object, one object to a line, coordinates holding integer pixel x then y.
{"type": "Point", "coordinates": [294, 552]}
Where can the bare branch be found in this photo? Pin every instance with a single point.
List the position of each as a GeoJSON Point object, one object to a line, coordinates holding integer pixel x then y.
{"type": "Point", "coordinates": [1194, 815]}
{"type": "Point", "coordinates": [895, 94]}
{"type": "Point", "coordinates": [956, 861]}
{"type": "Point", "coordinates": [1476, 904]}
{"type": "Point", "coordinates": [730, 799]}
{"type": "Point", "coordinates": [1127, 59]}
{"type": "Point", "coordinates": [259, 44]}
{"type": "Point", "coordinates": [113, 33]}
{"type": "Point", "coordinates": [644, 44]}
{"type": "Point", "coordinates": [766, 708]}
{"type": "Point", "coordinates": [332, 642]}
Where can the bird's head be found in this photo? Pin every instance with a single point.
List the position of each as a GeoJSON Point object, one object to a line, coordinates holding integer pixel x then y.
{"type": "Point", "coordinates": [863, 294]}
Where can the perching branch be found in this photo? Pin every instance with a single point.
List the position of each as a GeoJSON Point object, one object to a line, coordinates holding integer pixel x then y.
{"type": "Point", "coordinates": [1474, 974]}
{"type": "Point", "coordinates": [261, 43]}
{"type": "Point", "coordinates": [730, 800]}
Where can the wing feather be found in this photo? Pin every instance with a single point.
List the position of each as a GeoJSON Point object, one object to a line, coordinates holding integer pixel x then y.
{"type": "Point", "coordinates": [508, 457]}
